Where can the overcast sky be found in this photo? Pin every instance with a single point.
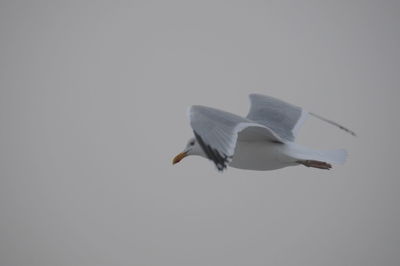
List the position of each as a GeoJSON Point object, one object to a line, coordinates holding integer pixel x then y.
{"type": "Point", "coordinates": [93, 101]}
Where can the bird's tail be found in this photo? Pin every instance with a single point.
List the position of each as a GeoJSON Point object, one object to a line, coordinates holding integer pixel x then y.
{"type": "Point", "coordinates": [334, 156]}
{"type": "Point", "coordinates": [330, 156]}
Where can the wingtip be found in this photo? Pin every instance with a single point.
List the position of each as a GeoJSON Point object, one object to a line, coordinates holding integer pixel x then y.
{"type": "Point", "coordinates": [252, 96]}
{"type": "Point", "coordinates": [190, 109]}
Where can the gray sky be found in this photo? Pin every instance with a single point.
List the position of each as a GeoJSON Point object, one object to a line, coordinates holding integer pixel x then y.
{"type": "Point", "coordinates": [93, 101]}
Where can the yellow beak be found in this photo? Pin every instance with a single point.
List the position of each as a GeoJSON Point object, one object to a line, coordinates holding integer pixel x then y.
{"type": "Point", "coordinates": [179, 157]}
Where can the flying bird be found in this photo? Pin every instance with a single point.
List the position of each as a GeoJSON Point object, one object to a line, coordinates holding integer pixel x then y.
{"type": "Point", "coordinates": [263, 140]}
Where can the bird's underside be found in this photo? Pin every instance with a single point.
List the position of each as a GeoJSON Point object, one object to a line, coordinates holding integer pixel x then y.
{"type": "Point", "coordinates": [269, 155]}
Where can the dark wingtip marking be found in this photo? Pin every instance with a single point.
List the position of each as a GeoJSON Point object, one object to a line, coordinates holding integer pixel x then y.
{"type": "Point", "coordinates": [220, 160]}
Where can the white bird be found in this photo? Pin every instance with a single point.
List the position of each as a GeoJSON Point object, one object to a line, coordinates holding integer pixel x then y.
{"type": "Point", "coordinates": [264, 140]}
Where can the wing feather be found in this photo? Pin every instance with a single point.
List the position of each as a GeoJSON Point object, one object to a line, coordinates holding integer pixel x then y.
{"type": "Point", "coordinates": [283, 118]}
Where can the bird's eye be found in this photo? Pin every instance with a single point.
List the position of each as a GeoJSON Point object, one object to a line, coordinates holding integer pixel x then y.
{"type": "Point", "coordinates": [191, 143]}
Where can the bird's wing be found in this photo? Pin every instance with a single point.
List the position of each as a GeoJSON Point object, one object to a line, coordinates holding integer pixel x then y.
{"type": "Point", "coordinates": [217, 132]}
{"type": "Point", "coordinates": [283, 118]}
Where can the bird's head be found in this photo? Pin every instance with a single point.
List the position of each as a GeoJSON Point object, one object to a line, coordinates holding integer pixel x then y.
{"type": "Point", "coordinates": [192, 148]}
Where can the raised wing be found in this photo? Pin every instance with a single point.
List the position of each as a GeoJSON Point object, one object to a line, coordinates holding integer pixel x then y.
{"type": "Point", "coordinates": [283, 118]}
{"type": "Point", "coordinates": [217, 132]}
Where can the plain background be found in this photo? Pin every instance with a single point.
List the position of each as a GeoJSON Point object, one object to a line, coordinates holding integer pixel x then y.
{"type": "Point", "coordinates": [93, 100]}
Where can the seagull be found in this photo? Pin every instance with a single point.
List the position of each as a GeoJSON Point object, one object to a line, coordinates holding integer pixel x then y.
{"type": "Point", "coordinates": [263, 140]}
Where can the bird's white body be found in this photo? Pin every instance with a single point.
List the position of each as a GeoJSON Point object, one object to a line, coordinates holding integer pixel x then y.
{"type": "Point", "coordinates": [268, 155]}
{"type": "Point", "coordinates": [265, 156]}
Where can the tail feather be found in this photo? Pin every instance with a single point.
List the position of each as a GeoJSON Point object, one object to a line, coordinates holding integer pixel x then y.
{"type": "Point", "coordinates": [335, 156]}
{"type": "Point", "coordinates": [330, 156]}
